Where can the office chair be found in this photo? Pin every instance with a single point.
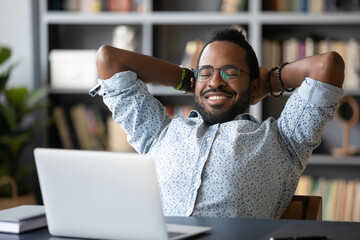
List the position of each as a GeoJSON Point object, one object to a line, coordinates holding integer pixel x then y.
{"type": "Point", "coordinates": [304, 207]}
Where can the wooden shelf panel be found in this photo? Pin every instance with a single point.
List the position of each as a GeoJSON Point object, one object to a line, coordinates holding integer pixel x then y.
{"type": "Point", "coordinates": [325, 159]}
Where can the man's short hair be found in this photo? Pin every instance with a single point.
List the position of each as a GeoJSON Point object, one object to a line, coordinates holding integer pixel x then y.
{"type": "Point", "coordinates": [236, 36]}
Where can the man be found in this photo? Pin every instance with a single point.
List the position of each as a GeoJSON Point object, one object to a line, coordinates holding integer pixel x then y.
{"type": "Point", "coordinates": [220, 161]}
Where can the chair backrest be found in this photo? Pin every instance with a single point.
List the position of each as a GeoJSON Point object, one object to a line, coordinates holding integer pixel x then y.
{"type": "Point", "coordinates": [304, 207]}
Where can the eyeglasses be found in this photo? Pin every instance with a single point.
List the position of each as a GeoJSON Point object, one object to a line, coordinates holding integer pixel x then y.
{"type": "Point", "coordinates": [228, 73]}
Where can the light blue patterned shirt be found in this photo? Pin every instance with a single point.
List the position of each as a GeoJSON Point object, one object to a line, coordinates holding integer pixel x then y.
{"type": "Point", "coordinates": [240, 168]}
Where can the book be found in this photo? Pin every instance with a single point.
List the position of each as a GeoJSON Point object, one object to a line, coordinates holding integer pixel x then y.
{"type": "Point", "coordinates": [283, 5]}
{"type": "Point", "coordinates": [23, 218]}
{"type": "Point", "coordinates": [78, 116]}
{"type": "Point", "coordinates": [309, 47]}
{"type": "Point", "coordinates": [89, 128]}
{"type": "Point", "coordinates": [304, 185]}
{"type": "Point", "coordinates": [290, 50]}
{"type": "Point", "coordinates": [350, 196]}
{"type": "Point", "coordinates": [356, 209]}
{"type": "Point", "coordinates": [232, 6]}
{"type": "Point", "coordinates": [340, 201]}
{"type": "Point", "coordinates": [332, 200]}
{"type": "Point", "coordinates": [352, 63]}
{"type": "Point", "coordinates": [191, 53]}
{"type": "Point", "coordinates": [117, 138]}
{"type": "Point", "coordinates": [63, 128]}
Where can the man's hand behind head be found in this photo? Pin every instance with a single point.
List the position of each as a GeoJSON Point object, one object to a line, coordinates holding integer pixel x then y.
{"type": "Point", "coordinates": [259, 88]}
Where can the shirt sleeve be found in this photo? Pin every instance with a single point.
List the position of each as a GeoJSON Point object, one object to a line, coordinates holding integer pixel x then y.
{"type": "Point", "coordinates": [303, 119]}
{"type": "Point", "coordinates": [139, 113]}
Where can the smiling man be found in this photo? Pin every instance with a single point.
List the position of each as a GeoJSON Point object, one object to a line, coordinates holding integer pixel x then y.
{"type": "Point", "coordinates": [220, 161]}
{"type": "Point", "coordinates": [221, 99]}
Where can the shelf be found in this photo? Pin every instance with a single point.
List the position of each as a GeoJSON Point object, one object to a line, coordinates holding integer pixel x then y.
{"type": "Point", "coordinates": [201, 18]}
{"type": "Point", "coordinates": [164, 34]}
{"type": "Point", "coordinates": [156, 90]}
{"type": "Point", "coordinates": [353, 92]}
{"type": "Point", "coordinates": [324, 159]}
{"type": "Point", "coordinates": [62, 17]}
{"type": "Point", "coordinates": [308, 18]}
{"type": "Point", "coordinates": [68, 91]}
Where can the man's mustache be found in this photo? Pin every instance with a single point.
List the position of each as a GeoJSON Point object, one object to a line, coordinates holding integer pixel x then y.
{"type": "Point", "coordinates": [220, 89]}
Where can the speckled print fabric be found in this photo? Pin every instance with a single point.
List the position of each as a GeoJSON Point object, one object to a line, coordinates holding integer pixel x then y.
{"type": "Point", "coordinates": [241, 168]}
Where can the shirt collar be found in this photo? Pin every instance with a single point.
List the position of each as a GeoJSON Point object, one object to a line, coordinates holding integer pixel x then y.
{"type": "Point", "coordinates": [242, 116]}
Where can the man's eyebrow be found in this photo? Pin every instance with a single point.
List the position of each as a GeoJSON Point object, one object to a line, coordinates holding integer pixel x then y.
{"type": "Point", "coordinates": [206, 65]}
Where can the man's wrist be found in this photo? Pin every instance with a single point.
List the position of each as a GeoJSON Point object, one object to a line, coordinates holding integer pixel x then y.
{"type": "Point", "coordinates": [186, 82]}
{"type": "Point", "coordinates": [275, 82]}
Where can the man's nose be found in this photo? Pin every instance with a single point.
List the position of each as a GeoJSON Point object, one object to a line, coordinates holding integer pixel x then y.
{"type": "Point", "coordinates": [216, 80]}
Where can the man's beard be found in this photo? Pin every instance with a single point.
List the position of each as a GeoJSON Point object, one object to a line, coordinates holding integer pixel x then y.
{"type": "Point", "coordinates": [241, 106]}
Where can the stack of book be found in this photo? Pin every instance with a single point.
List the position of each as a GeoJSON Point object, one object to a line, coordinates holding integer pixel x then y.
{"type": "Point", "coordinates": [309, 6]}
{"type": "Point", "coordinates": [341, 198]}
{"type": "Point", "coordinates": [88, 126]}
{"type": "Point", "coordinates": [21, 219]}
{"type": "Point", "coordinates": [95, 6]}
{"type": "Point", "coordinates": [275, 52]}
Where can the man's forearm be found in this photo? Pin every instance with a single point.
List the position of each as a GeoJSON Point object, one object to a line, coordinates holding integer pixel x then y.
{"type": "Point", "coordinates": [110, 61]}
{"type": "Point", "coordinates": [328, 68]}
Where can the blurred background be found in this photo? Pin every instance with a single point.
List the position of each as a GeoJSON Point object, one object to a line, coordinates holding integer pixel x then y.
{"type": "Point", "coordinates": [47, 65]}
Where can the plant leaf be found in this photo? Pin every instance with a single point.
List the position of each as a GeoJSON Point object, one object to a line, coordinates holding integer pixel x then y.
{"type": "Point", "coordinates": [15, 142]}
{"type": "Point", "coordinates": [7, 119]}
{"type": "Point", "coordinates": [16, 98]}
{"type": "Point", "coordinates": [5, 76]}
{"type": "Point", "coordinates": [34, 98]}
{"type": "Point", "coordinates": [5, 53]}
{"type": "Point", "coordinates": [39, 106]}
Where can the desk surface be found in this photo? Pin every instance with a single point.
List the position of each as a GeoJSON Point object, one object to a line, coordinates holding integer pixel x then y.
{"type": "Point", "coordinates": [248, 229]}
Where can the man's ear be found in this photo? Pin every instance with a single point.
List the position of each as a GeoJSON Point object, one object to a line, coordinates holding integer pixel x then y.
{"type": "Point", "coordinates": [255, 86]}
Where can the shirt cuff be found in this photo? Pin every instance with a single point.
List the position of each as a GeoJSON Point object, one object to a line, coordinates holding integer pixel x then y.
{"type": "Point", "coordinates": [118, 81]}
{"type": "Point", "coordinates": [320, 93]}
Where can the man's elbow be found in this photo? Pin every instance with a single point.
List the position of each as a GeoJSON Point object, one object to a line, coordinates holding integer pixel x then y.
{"type": "Point", "coordinates": [103, 61]}
{"type": "Point", "coordinates": [109, 61]}
{"type": "Point", "coordinates": [103, 54]}
{"type": "Point", "coordinates": [335, 68]}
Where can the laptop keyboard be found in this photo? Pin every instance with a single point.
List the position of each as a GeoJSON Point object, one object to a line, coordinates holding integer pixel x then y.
{"type": "Point", "coordinates": [174, 234]}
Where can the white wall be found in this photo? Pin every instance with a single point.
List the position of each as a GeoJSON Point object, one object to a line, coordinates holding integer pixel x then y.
{"type": "Point", "coordinates": [16, 32]}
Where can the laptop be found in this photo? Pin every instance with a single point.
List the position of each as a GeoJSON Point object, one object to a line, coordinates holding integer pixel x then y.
{"type": "Point", "coordinates": [103, 195]}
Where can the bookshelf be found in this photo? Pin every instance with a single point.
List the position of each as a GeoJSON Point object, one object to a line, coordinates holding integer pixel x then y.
{"type": "Point", "coordinates": [164, 27]}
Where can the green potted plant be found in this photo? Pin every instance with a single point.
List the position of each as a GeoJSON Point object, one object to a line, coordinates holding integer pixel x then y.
{"type": "Point", "coordinates": [18, 125]}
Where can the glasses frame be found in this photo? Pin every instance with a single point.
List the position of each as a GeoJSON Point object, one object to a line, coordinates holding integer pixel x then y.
{"type": "Point", "coordinates": [197, 70]}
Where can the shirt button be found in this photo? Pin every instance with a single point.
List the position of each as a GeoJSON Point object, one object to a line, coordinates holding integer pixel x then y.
{"type": "Point", "coordinates": [196, 184]}
{"type": "Point", "coordinates": [208, 139]}
{"type": "Point", "coordinates": [202, 159]}
{"type": "Point", "coordinates": [188, 212]}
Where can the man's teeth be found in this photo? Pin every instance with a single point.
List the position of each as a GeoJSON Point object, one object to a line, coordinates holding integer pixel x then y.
{"type": "Point", "coordinates": [217, 97]}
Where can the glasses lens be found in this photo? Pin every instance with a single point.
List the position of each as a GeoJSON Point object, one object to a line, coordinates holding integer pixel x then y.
{"type": "Point", "coordinates": [230, 73]}
{"type": "Point", "coordinates": [205, 73]}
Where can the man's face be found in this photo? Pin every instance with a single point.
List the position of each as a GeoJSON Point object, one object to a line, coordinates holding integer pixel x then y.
{"type": "Point", "coordinates": [217, 100]}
